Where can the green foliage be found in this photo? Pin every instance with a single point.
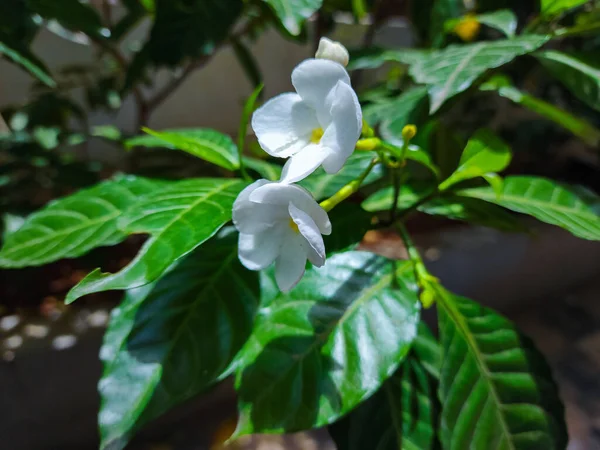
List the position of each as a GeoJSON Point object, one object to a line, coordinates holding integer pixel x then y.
{"type": "Point", "coordinates": [454, 69]}
{"type": "Point", "coordinates": [179, 218]}
{"type": "Point", "coordinates": [155, 350]}
{"type": "Point", "coordinates": [292, 13]}
{"type": "Point", "coordinates": [579, 73]}
{"type": "Point", "coordinates": [310, 360]}
{"type": "Point", "coordinates": [71, 14]}
{"type": "Point", "coordinates": [495, 388]}
{"type": "Point", "coordinates": [350, 223]}
{"type": "Point", "coordinates": [503, 20]}
{"type": "Point", "coordinates": [545, 200]}
{"type": "Point", "coordinates": [556, 7]}
{"type": "Point", "coordinates": [29, 62]}
{"type": "Point", "coordinates": [72, 226]}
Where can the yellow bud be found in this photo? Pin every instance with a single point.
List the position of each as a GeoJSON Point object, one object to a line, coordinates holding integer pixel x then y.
{"type": "Point", "coordinates": [427, 298]}
{"type": "Point", "coordinates": [368, 144]}
{"type": "Point", "coordinates": [467, 28]}
{"type": "Point", "coordinates": [409, 132]}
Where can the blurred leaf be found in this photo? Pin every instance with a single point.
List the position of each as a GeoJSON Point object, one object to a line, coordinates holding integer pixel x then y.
{"type": "Point", "coordinates": [155, 350]}
{"type": "Point", "coordinates": [375, 57]}
{"type": "Point", "coordinates": [579, 73]}
{"type": "Point", "coordinates": [546, 201]}
{"type": "Point", "coordinates": [485, 152]}
{"type": "Point", "coordinates": [555, 7]}
{"type": "Point", "coordinates": [454, 69]}
{"type": "Point", "coordinates": [70, 227]}
{"type": "Point", "coordinates": [203, 143]}
{"type": "Point", "coordinates": [71, 14]}
{"type": "Point", "coordinates": [248, 62]}
{"type": "Point", "coordinates": [495, 388]}
{"type": "Point", "coordinates": [293, 13]}
{"type": "Point", "coordinates": [320, 350]}
{"type": "Point", "coordinates": [249, 108]}
{"type": "Point", "coordinates": [410, 194]}
{"type": "Point", "coordinates": [29, 62]}
{"type": "Point", "coordinates": [503, 20]}
{"type": "Point", "coordinates": [360, 8]}
{"type": "Point", "coordinates": [350, 223]}
{"type": "Point", "coordinates": [441, 11]}
{"type": "Point", "coordinates": [322, 184]}
{"type": "Point", "coordinates": [179, 218]}
{"type": "Point", "coordinates": [110, 132]}
{"type": "Point", "coordinates": [188, 29]}
{"type": "Point", "coordinates": [576, 125]}
{"type": "Point", "coordinates": [47, 137]}
{"type": "Point", "coordinates": [271, 172]}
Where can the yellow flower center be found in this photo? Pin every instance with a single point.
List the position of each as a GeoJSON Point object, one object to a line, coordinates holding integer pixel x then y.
{"type": "Point", "coordinates": [293, 226]}
{"type": "Point", "coordinates": [316, 135]}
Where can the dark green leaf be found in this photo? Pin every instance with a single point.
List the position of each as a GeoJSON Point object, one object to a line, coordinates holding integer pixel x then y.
{"type": "Point", "coordinates": [190, 28]}
{"type": "Point", "coordinates": [179, 218]}
{"type": "Point", "coordinates": [29, 62]}
{"type": "Point", "coordinates": [204, 143]}
{"type": "Point", "coordinates": [71, 14]}
{"type": "Point", "coordinates": [410, 193]}
{"type": "Point", "coordinates": [293, 13]}
{"type": "Point", "coordinates": [576, 125]}
{"type": "Point", "coordinates": [265, 169]}
{"type": "Point", "coordinates": [579, 73]}
{"type": "Point", "coordinates": [176, 339]}
{"type": "Point", "coordinates": [555, 7]}
{"type": "Point", "coordinates": [485, 152]}
{"type": "Point", "coordinates": [453, 70]}
{"type": "Point", "coordinates": [546, 201]}
{"type": "Point", "coordinates": [72, 226]}
{"type": "Point", "coordinates": [349, 224]}
{"type": "Point", "coordinates": [503, 20]}
{"type": "Point", "coordinates": [442, 11]}
{"type": "Point", "coordinates": [322, 185]}
{"type": "Point", "coordinates": [320, 350]}
{"type": "Point", "coordinates": [495, 388]}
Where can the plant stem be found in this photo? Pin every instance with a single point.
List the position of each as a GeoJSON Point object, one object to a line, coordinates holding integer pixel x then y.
{"type": "Point", "coordinates": [347, 190]}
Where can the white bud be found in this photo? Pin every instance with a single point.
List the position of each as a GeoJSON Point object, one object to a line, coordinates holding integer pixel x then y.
{"type": "Point", "coordinates": [333, 51]}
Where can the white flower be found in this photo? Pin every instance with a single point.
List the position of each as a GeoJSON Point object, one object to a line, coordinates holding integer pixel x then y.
{"type": "Point", "coordinates": [281, 223]}
{"type": "Point", "coordinates": [317, 126]}
{"type": "Point", "coordinates": [332, 50]}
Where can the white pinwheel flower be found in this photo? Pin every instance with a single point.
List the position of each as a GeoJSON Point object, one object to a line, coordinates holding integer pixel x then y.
{"type": "Point", "coordinates": [280, 223]}
{"type": "Point", "coordinates": [318, 125]}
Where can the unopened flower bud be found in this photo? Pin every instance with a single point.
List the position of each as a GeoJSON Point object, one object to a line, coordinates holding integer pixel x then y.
{"type": "Point", "coordinates": [409, 132]}
{"type": "Point", "coordinates": [333, 51]}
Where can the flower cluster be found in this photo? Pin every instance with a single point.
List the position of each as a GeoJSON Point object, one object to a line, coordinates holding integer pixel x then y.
{"type": "Point", "coordinates": [318, 125]}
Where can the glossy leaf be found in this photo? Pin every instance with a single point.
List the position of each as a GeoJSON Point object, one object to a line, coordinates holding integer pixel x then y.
{"type": "Point", "coordinates": [330, 343]}
{"type": "Point", "coordinates": [484, 153]}
{"type": "Point", "coordinates": [293, 13]}
{"type": "Point", "coordinates": [349, 224]}
{"type": "Point", "coordinates": [72, 226]}
{"type": "Point", "coordinates": [410, 193]}
{"type": "Point", "coordinates": [453, 70]}
{"type": "Point", "coordinates": [545, 200]}
{"type": "Point", "coordinates": [576, 125]}
{"type": "Point", "coordinates": [555, 7]}
{"type": "Point", "coordinates": [176, 339]}
{"type": "Point", "coordinates": [322, 185]}
{"type": "Point", "coordinates": [265, 169]}
{"type": "Point", "coordinates": [179, 219]}
{"type": "Point", "coordinates": [204, 143]}
{"type": "Point", "coordinates": [495, 388]}
{"type": "Point", "coordinates": [579, 73]}
{"type": "Point", "coordinates": [29, 62]}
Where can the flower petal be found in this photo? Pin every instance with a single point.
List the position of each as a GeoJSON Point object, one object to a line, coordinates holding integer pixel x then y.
{"type": "Point", "coordinates": [282, 194]}
{"type": "Point", "coordinates": [303, 163]}
{"type": "Point", "coordinates": [257, 251]}
{"type": "Point", "coordinates": [284, 125]}
{"type": "Point", "coordinates": [343, 132]}
{"type": "Point", "coordinates": [249, 217]}
{"type": "Point", "coordinates": [315, 78]}
{"type": "Point", "coordinates": [315, 248]}
{"type": "Point", "coordinates": [290, 264]}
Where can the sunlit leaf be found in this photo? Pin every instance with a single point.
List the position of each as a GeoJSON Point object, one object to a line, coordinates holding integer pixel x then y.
{"type": "Point", "coordinates": [293, 13]}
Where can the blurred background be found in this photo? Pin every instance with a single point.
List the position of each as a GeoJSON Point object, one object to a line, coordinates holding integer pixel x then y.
{"type": "Point", "coordinates": [125, 66]}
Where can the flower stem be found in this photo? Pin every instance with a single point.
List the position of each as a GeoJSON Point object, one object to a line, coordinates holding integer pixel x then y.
{"type": "Point", "coordinates": [348, 190]}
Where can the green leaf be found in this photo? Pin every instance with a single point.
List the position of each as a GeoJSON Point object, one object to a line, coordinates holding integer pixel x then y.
{"type": "Point", "coordinates": [503, 20]}
{"type": "Point", "coordinates": [71, 14]}
{"type": "Point", "coordinates": [204, 143]}
{"type": "Point", "coordinates": [555, 7]}
{"type": "Point", "coordinates": [454, 69]}
{"type": "Point", "coordinates": [375, 57]}
{"type": "Point", "coordinates": [576, 125]}
{"type": "Point", "coordinates": [265, 169]}
{"type": "Point", "coordinates": [293, 13]}
{"type": "Point", "coordinates": [495, 388]}
{"type": "Point", "coordinates": [442, 11]}
{"type": "Point", "coordinates": [410, 193]}
{"type": "Point", "coordinates": [175, 338]}
{"type": "Point", "coordinates": [179, 218]}
{"type": "Point", "coordinates": [579, 73]}
{"type": "Point", "coordinates": [401, 415]}
{"type": "Point", "coordinates": [474, 211]}
{"type": "Point", "coordinates": [29, 62]}
{"type": "Point", "coordinates": [188, 29]}
{"type": "Point", "coordinates": [484, 153]}
{"type": "Point", "coordinates": [414, 153]}
{"type": "Point", "coordinates": [349, 223]}
{"type": "Point", "coordinates": [109, 132]}
{"type": "Point", "coordinates": [320, 350]}
{"type": "Point", "coordinates": [70, 227]}
{"type": "Point", "coordinates": [394, 113]}
{"type": "Point", "coordinates": [249, 108]}
{"type": "Point", "coordinates": [546, 201]}
{"type": "Point", "coordinates": [322, 185]}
